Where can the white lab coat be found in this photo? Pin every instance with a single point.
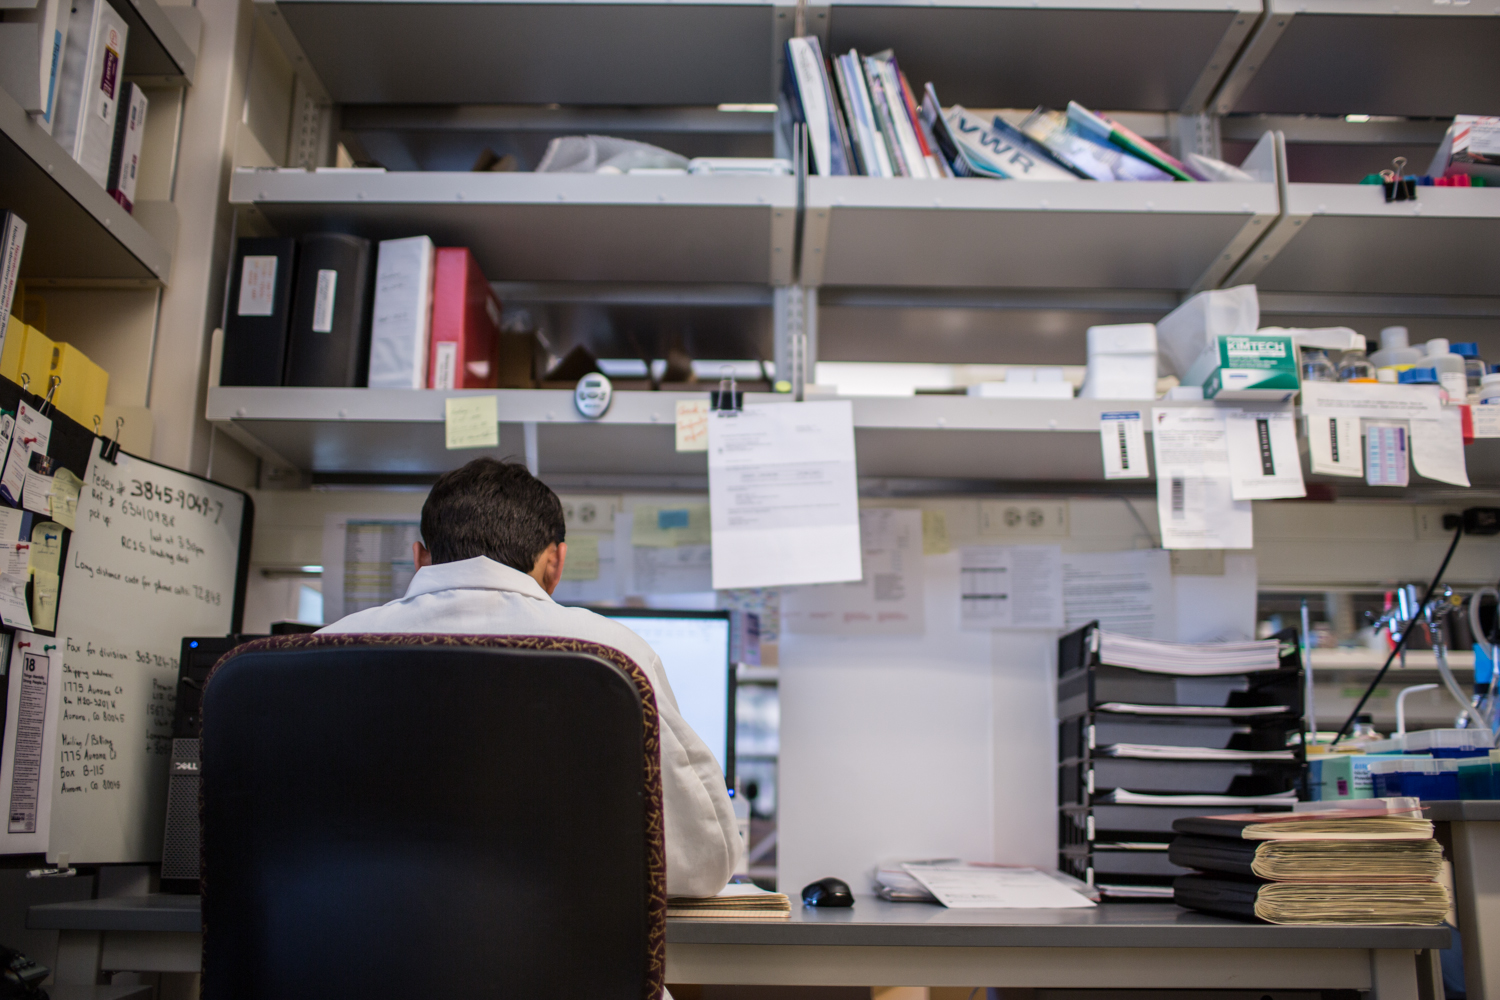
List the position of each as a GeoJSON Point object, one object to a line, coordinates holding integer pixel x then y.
{"type": "Point", "coordinates": [482, 597]}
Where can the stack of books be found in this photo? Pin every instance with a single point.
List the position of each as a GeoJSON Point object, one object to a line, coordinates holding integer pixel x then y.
{"type": "Point", "coordinates": [1367, 866]}
{"type": "Point", "coordinates": [1153, 732]}
{"type": "Point", "coordinates": [733, 902]}
{"type": "Point", "coordinates": [864, 118]}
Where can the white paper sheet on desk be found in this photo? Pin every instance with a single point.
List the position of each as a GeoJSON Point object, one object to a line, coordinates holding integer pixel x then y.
{"type": "Point", "coordinates": [1437, 447]}
{"type": "Point", "coordinates": [1126, 592]}
{"type": "Point", "coordinates": [971, 887]}
{"type": "Point", "coordinates": [1264, 463]}
{"type": "Point", "coordinates": [1194, 501]}
{"type": "Point", "coordinates": [1010, 586]}
{"type": "Point", "coordinates": [783, 497]}
{"type": "Point", "coordinates": [888, 599]}
{"type": "Point", "coordinates": [1333, 445]}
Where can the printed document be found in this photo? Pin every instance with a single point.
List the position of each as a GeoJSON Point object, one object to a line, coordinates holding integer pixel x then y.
{"type": "Point", "coordinates": [1264, 463]}
{"type": "Point", "coordinates": [1437, 447]}
{"type": "Point", "coordinates": [887, 600]}
{"type": "Point", "coordinates": [973, 887]}
{"type": "Point", "coordinates": [655, 569]}
{"type": "Point", "coordinates": [1011, 586]}
{"type": "Point", "coordinates": [781, 488]}
{"type": "Point", "coordinates": [1333, 445]}
{"type": "Point", "coordinates": [30, 760]}
{"type": "Point", "coordinates": [1194, 499]}
{"type": "Point", "coordinates": [1126, 592]}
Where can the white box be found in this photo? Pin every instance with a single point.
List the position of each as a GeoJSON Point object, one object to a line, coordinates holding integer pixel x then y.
{"type": "Point", "coordinates": [1123, 338]}
{"type": "Point", "coordinates": [403, 314]}
{"type": "Point", "coordinates": [89, 87]}
{"type": "Point", "coordinates": [31, 53]}
{"type": "Point", "coordinates": [1022, 390]}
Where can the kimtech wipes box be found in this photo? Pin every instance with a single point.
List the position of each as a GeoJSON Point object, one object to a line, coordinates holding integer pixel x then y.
{"type": "Point", "coordinates": [1252, 366]}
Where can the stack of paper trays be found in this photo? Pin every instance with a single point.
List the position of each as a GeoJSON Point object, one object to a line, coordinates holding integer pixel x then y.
{"type": "Point", "coordinates": [1188, 659]}
{"type": "Point", "coordinates": [733, 902]}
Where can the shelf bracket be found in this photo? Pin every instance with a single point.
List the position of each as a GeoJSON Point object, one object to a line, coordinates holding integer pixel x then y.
{"type": "Point", "coordinates": [1267, 30]}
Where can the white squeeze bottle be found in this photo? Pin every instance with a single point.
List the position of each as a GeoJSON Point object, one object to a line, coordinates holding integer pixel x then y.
{"type": "Point", "coordinates": [1450, 369]}
{"type": "Point", "coordinates": [1395, 349]}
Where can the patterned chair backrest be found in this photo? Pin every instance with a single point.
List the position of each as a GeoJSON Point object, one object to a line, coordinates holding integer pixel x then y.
{"type": "Point", "coordinates": [399, 816]}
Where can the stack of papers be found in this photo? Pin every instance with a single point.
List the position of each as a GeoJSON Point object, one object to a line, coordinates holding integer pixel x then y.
{"type": "Point", "coordinates": [733, 902]}
{"type": "Point", "coordinates": [1189, 659]}
{"type": "Point", "coordinates": [974, 886]}
{"type": "Point", "coordinates": [1199, 711]}
{"type": "Point", "coordinates": [1136, 891]}
{"type": "Point", "coordinates": [1124, 797]}
{"type": "Point", "coordinates": [1152, 751]}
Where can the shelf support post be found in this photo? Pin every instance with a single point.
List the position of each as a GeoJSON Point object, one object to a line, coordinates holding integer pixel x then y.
{"type": "Point", "coordinates": [795, 312]}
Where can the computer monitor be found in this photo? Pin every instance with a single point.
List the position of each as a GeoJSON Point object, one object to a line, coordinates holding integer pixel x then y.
{"type": "Point", "coordinates": [694, 648]}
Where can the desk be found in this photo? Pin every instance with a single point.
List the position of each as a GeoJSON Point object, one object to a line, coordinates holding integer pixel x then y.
{"type": "Point", "coordinates": [1474, 836]}
{"type": "Point", "coordinates": [1118, 946]}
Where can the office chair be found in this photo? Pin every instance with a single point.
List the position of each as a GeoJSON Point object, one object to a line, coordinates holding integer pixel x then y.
{"type": "Point", "coordinates": [444, 816]}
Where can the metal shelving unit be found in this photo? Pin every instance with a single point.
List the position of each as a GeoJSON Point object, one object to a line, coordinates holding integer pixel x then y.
{"type": "Point", "coordinates": [162, 47]}
{"type": "Point", "coordinates": [974, 233]}
{"type": "Point", "coordinates": [552, 227]}
{"type": "Point", "coordinates": [75, 232]}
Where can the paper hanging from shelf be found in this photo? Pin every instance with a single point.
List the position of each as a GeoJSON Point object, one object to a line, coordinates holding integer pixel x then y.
{"type": "Point", "coordinates": [889, 599]}
{"type": "Point", "coordinates": [1437, 447]}
{"type": "Point", "coordinates": [1381, 401]}
{"type": "Point", "coordinates": [1194, 500]}
{"type": "Point", "coordinates": [1387, 446]}
{"type": "Point", "coordinates": [1264, 462]}
{"type": "Point", "coordinates": [1122, 440]}
{"type": "Point", "coordinates": [783, 495]}
{"type": "Point", "coordinates": [1011, 587]}
{"type": "Point", "coordinates": [1486, 420]}
{"type": "Point", "coordinates": [1333, 445]}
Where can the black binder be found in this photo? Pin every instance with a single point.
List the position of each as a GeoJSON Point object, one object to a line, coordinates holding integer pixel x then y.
{"type": "Point", "coordinates": [255, 327]}
{"type": "Point", "coordinates": [329, 344]}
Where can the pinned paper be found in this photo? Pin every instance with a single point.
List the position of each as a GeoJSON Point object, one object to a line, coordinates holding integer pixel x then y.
{"type": "Point", "coordinates": [658, 569]}
{"type": "Point", "coordinates": [583, 558]}
{"type": "Point", "coordinates": [36, 491]}
{"type": "Point", "coordinates": [15, 572]}
{"type": "Point", "coordinates": [935, 533]}
{"type": "Point", "coordinates": [1122, 438]}
{"type": "Point", "coordinates": [33, 433]}
{"type": "Point", "coordinates": [472, 422]}
{"type": "Point", "coordinates": [1194, 501]}
{"type": "Point", "coordinates": [44, 600]}
{"type": "Point", "coordinates": [1333, 445]}
{"type": "Point", "coordinates": [692, 424]}
{"type": "Point", "coordinates": [1264, 463]}
{"type": "Point", "coordinates": [1386, 449]}
{"type": "Point", "coordinates": [1011, 586]}
{"type": "Point", "coordinates": [10, 524]}
{"type": "Point", "coordinates": [46, 547]}
{"type": "Point", "coordinates": [63, 498]}
{"type": "Point", "coordinates": [1486, 420]}
{"type": "Point", "coordinates": [659, 527]}
{"type": "Point", "coordinates": [887, 600]}
{"type": "Point", "coordinates": [1437, 448]}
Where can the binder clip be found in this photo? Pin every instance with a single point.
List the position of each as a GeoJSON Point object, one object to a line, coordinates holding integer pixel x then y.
{"type": "Point", "coordinates": [25, 385]}
{"type": "Point", "coordinates": [46, 407]}
{"type": "Point", "coordinates": [110, 451]}
{"type": "Point", "coordinates": [726, 400]}
{"type": "Point", "coordinates": [1398, 187]}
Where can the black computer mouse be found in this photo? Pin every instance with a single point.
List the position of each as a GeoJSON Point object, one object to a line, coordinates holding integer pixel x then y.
{"type": "Point", "coordinates": [827, 892]}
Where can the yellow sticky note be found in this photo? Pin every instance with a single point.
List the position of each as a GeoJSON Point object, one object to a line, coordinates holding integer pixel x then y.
{"type": "Point", "coordinates": [692, 425]}
{"type": "Point", "coordinates": [472, 422]}
{"type": "Point", "coordinates": [46, 547]}
{"type": "Point", "coordinates": [935, 533]}
{"type": "Point", "coordinates": [583, 558]}
{"type": "Point", "coordinates": [64, 498]}
{"type": "Point", "coordinates": [666, 527]}
{"type": "Point", "coordinates": [44, 599]}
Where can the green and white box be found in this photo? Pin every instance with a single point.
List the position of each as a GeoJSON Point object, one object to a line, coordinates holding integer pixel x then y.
{"type": "Point", "coordinates": [1258, 366]}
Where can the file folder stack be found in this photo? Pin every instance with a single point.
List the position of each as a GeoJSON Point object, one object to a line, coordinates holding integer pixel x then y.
{"type": "Point", "coordinates": [1152, 732]}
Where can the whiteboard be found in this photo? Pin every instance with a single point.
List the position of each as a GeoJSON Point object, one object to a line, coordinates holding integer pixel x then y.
{"type": "Point", "coordinates": [156, 556]}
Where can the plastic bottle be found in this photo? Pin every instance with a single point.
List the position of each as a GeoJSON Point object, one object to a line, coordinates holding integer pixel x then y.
{"type": "Point", "coordinates": [1316, 367]}
{"type": "Point", "coordinates": [1395, 349]}
{"type": "Point", "coordinates": [1489, 389]}
{"type": "Point", "coordinates": [1474, 367]}
{"type": "Point", "coordinates": [1364, 731]}
{"type": "Point", "coordinates": [1450, 369]}
{"type": "Point", "coordinates": [1354, 366]}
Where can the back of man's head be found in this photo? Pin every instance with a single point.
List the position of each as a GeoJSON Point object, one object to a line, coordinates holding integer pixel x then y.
{"type": "Point", "coordinates": [491, 508]}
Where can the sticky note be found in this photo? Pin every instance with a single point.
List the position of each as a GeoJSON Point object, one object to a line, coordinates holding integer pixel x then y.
{"type": "Point", "coordinates": [668, 519]}
{"type": "Point", "coordinates": [64, 498]}
{"type": "Point", "coordinates": [935, 533]}
{"type": "Point", "coordinates": [583, 558]}
{"type": "Point", "coordinates": [692, 425]}
{"type": "Point", "coordinates": [654, 527]}
{"type": "Point", "coordinates": [472, 422]}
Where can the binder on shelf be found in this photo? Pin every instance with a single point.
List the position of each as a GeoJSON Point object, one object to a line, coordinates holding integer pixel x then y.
{"type": "Point", "coordinates": [125, 158]}
{"type": "Point", "coordinates": [811, 99]}
{"type": "Point", "coordinates": [89, 86]}
{"type": "Point", "coordinates": [83, 388]}
{"type": "Point", "coordinates": [329, 339]}
{"type": "Point", "coordinates": [12, 242]}
{"type": "Point", "coordinates": [31, 53]}
{"type": "Point", "coordinates": [259, 307]}
{"type": "Point", "coordinates": [465, 324]}
{"type": "Point", "coordinates": [402, 316]}
{"type": "Point", "coordinates": [26, 357]}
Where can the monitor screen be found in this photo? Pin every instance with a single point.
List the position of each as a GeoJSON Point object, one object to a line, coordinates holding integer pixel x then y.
{"type": "Point", "coordinates": [694, 648]}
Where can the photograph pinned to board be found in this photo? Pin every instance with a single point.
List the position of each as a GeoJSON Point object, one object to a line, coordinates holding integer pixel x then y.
{"type": "Point", "coordinates": [783, 495]}
{"type": "Point", "coordinates": [1194, 497]}
{"type": "Point", "coordinates": [889, 599]}
{"type": "Point", "coordinates": [1010, 587]}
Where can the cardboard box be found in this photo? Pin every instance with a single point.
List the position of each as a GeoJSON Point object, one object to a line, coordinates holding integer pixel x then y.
{"type": "Point", "coordinates": [1260, 366]}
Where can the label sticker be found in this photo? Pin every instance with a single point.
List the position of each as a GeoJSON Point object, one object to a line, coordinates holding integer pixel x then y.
{"type": "Point", "coordinates": [258, 286]}
{"type": "Point", "coordinates": [443, 375]}
{"type": "Point", "coordinates": [323, 302]}
{"type": "Point", "coordinates": [1122, 438]}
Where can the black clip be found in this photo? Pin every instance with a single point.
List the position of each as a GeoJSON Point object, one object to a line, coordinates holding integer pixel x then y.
{"type": "Point", "coordinates": [46, 407]}
{"type": "Point", "coordinates": [1398, 187]}
{"type": "Point", "coordinates": [726, 400]}
{"type": "Point", "coordinates": [110, 451]}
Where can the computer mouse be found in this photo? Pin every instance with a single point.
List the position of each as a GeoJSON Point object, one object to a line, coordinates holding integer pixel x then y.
{"type": "Point", "coordinates": [827, 892]}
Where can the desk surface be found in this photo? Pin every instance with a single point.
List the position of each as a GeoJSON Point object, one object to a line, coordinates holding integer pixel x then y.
{"type": "Point", "coordinates": [1463, 810]}
{"type": "Point", "coordinates": [875, 922]}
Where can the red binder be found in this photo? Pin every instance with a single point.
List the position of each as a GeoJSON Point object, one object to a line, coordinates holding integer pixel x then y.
{"type": "Point", "coordinates": [465, 324]}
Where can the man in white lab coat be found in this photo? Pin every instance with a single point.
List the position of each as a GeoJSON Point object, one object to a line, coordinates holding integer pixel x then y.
{"type": "Point", "coordinates": [491, 556]}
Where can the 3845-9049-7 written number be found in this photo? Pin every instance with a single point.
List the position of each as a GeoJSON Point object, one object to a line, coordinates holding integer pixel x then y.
{"type": "Point", "coordinates": [207, 506]}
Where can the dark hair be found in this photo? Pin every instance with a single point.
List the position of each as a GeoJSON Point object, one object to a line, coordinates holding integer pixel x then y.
{"type": "Point", "coordinates": [491, 508]}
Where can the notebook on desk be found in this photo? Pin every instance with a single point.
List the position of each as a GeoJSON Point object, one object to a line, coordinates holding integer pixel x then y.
{"type": "Point", "coordinates": [733, 902]}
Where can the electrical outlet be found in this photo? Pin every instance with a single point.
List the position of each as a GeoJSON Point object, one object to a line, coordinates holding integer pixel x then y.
{"type": "Point", "coordinates": [1023, 519]}
{"type": "Point", "coordinates": [1429, 523]}
{"type": "Point", "coordinates": [590, 513]}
